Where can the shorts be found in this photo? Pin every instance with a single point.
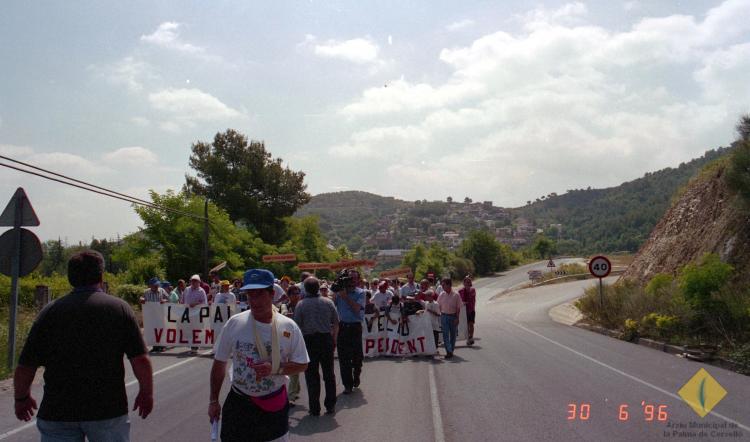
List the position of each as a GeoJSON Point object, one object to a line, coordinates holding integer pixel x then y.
{"type": "Point", "coordinates": [471, 316]}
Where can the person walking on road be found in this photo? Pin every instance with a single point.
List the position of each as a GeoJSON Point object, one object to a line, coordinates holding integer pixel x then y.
{"type": "Point", "coordinates": [194, 296]}
{"type": "Point", "coordinates": [80, 340]}
{"type": "Point", "coordinates": [288, 310]}
{"type": "Point", "coordinates": [318, 319]}
{"type": "Point", "coordinates": [450, 307]}
{"type": "Point", "coordinates": [469, 297]}
{"type": "Point", "coordinates": [154, 293]}
{"type": "Point", "coordinates": [265, 348]}
{"type": "Point", "coordinates": [350, 303]}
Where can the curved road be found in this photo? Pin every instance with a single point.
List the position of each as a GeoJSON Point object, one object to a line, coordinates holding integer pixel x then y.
{"type": "Point", "coordinates": [514, 384]}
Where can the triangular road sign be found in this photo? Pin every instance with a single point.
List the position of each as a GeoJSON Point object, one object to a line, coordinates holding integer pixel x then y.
{"type": "Point", "coordinates": [28, 216]}
{"type": "Point", "coordinates": [551, 264]}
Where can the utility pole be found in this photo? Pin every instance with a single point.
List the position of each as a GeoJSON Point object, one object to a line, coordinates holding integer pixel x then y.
{"type": "Point", "coordinates": [205, 239]}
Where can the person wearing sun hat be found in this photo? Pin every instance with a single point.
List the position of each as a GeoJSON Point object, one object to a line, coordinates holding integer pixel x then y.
{"type": "Point", "coordinates": [265, 348]}
{"type": "Point", "coordinates": [225, 296]}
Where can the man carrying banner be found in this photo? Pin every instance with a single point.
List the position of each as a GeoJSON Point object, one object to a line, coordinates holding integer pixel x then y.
{"type": "Point", "coordinates": [154, 293]}
{"type": "Point", "coordinates": [193, 296]}
{"type": "Point", "coordinates": [318, 319]}
{"type": "Point", "coordinates": [350, 303]}
{"type": "Point", "coordinates": [410, 288]}
{"type": "Point", "coordinates": [265, 348]}
{"type": "Point", "coordinates": [80, 340]}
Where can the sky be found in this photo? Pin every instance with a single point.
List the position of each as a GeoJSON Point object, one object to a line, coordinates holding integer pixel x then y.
{"type": "Point", "coordinates": [501, 101]}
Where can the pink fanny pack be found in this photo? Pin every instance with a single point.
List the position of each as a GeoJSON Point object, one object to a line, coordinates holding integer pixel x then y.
{"type": "Point", "coordinates": [273, 402]}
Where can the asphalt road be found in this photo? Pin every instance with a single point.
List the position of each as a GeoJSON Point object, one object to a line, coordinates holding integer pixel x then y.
{"type": "Point", "coordinates": [514, 384]}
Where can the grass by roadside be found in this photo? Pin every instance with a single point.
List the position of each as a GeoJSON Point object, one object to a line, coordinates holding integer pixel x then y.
{"type": "Point", "coordinates": [25, 319]}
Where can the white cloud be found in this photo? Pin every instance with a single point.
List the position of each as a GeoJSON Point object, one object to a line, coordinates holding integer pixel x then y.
{"type": "Point", "coordinates": [384, 142]}
{"type": "Point", "coordinates": [14, 151]}
{"type": "Point", "coordinates": [166, 36]}
{"type": "Point", "coordinates": [130, 72]}
{"type": "Point", "coordinates": [357, 50]}
{"type": "Point", "coordinates": [136, 156]}
{"type": "Point", "coordinates": [562, 104]}
{"type": "Point", "coordinates": [185, 107]}
{"type": "Point", "coordinates": [140, 121]}
{"type": "Point", "coordinates": [459, 25]}
{"type": "Point", "coordinates": [568, 14]}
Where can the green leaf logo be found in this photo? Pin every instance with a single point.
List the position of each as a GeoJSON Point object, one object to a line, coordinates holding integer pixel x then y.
{"type": "Point", "coordinates": [702, 393]}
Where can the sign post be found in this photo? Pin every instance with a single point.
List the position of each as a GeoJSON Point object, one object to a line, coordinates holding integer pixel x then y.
{"type": "Point", "coordinates": [600, 267]}
{"type": "Point", "coordinates": [22, 249]}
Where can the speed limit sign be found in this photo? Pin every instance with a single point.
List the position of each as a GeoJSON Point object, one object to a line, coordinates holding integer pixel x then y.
{"type": "Point", "coordinates": [600, 266]}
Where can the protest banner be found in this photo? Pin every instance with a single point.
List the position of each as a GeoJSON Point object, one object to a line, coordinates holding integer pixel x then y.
{"type": "Point", "coordinates": [381, 337]}
{"type": "Point", "coordinates": [181, 326]}
{"type": "Point", "coordinates": [351, 263]}
{"type": "Point", "coordinates": [403, 271]}
{"type": "Point", "coordinates": [280, 258]}
{"type": "Point", "coordinates": [314, 266]}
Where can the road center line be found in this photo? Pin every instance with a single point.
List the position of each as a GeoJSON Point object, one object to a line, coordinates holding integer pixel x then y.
{"type": "Point", "coordinates": [32, 423]}
{"type": "Point", "coordinates": [620, 372]}
{"type": "Point", "coordinates": [437, 420]}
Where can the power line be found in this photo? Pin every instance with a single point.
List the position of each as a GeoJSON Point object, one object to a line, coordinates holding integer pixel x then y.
{"type": "Point", "coordinates": [73, 179]}
{"type": "Point", "coordinates": [103, 191]}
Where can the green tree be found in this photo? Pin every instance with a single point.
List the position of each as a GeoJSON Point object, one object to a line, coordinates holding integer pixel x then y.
{"type": "Point", "coordinates": [484, 251]}
{"type": "Point", "coordinates": [53, 260]}
{"type": "Point", "coordinates": [738, 174]}
{"type": "Point", "coordinates": [543, 247]}
{"type": "Point", "coordinates": [242, 178]}
{"type": "Point", "coordinates": [699, 281]}
{"type": "Point", "coordinates": [178, 239]}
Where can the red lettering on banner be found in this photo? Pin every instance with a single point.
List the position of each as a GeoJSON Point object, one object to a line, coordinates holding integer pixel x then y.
{"type": "Point", "coordinates": [412, 346]}
{"type": "Point", "coordinates": [171, 336]}
{"type": "Point", "coordinates": [421, 342]}
{"type": "Point", "coordinates": [210, 336]}
{"type": "Point", "coordinates": [181, 340]}
{"type": "Point", "coordinates": [369, 344]}
{"type": "Point", "coordinates": [158, 332]}
{"type": "Point", "coordinates": [380, 345]}
{"type": "Point", "coordinates": [394, 347]}
{"type": "Point", "coordinates": [400, 348]}
{"type": "Point", "coordinates": [197, 336]}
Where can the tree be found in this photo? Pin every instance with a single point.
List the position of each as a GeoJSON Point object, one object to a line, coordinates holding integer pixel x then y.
{"type": "Point", "coordinates": [738, 172]}
{"type": "Point", "coordinates": [743, 127]}
{"type": "Point", "coordinates": [54, 257]}
{"type": "Point", "coordinates": [242, 178]}
{"type": "Point", "coordinates": [178, 239]}
{"type": "Point", "coordinates": [467, 200]}
{"type": "Point", "coordinates": [484, 251]}
{"type": "Point", "coordinates": [543, 247]}
{"type": "Point", "coordinates": [449, 199]}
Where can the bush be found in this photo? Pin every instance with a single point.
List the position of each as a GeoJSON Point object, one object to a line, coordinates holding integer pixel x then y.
{"type": "Point", "coordinates": [143, 268]}
{"type": "Point", "coordinates": [738, 174]}
{"type": "Point", "coordinates": [130, 293]}
{"type": "Point", "coordinates": [741, 357]}
{"type": "Point", "coordinates": [630, 330]}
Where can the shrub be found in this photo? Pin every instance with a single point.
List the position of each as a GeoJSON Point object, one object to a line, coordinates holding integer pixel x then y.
{"type": "Point", "coordinates": [630, 330]}
{"type": "Point", "coordinates": [741, 357]}
{"type": "Point", "coordinates": [130, 293]}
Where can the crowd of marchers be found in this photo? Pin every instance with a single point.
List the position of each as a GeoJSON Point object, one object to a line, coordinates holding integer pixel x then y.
{"type": "Point", "coordinates": [284, 329]}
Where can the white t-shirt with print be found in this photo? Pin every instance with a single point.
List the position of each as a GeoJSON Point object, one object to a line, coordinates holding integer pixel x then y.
{"type": "Point", "coordinates": [238, 342]}
{"type": "Point", "coordinates": [225, 298]}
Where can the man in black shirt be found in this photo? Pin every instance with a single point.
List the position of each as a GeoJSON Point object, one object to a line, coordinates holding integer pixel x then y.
{"type": "Point", "coordinates": [80, 339]}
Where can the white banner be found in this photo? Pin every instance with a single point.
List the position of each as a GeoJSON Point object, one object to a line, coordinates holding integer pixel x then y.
{"type": "Point", "coordinates": [177, 325]}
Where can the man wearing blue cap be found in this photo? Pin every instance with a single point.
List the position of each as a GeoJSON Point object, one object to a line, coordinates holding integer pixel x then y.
{"type": "Point", "coordinates": [154, 293]}
{"type": "Point", "coordinates": [266, 347]}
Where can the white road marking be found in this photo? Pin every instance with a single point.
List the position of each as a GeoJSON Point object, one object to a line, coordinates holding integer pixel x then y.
{"type": "Point", "coordinates": [620, 372]}
{"type": "Point", "coordinates": [437, 420]}
{"type": "Point", "coordinates": [32, 423]}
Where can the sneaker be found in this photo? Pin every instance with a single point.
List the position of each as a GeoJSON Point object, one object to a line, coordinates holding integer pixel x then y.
{"type": "Point", "coordinates": [356, 383]}
{"type": "Point", "coordinates": [470, 342]}
{"type": "Point", "coordinates": [348, 390]}
{"type": "Point", "coordinates": [330, 411]}
{"type": "Point", "coordinates": [448, 355]}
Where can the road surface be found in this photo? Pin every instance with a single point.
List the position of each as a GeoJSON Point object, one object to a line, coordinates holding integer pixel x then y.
{"type": "Point", "coordinates": [515, 384]}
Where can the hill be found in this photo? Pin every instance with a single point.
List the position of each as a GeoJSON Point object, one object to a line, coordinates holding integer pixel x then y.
{"type": "Point", "coordinates": [617, 218]}
{"type": "Point", "coordinates": [583, 220]}
{"type": "Point", "coordinates": [705, 218]}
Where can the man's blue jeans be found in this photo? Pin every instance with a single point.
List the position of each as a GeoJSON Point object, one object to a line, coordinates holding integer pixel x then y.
{"type": "Point", "coordinates": [450, 330]}
{"type": "Point", "coordinates": [107, 430]}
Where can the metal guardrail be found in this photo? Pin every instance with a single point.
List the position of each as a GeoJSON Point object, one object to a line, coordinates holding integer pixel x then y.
{"type": "Point", "coordinates": [586, 275]}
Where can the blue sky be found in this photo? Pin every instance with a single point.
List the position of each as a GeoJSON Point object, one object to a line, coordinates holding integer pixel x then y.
{"type": "Point", "coordinates": [501, 101]}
